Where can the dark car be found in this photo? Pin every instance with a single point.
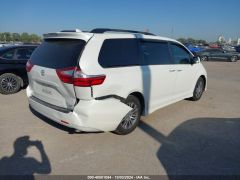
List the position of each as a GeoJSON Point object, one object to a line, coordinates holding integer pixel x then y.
{"type": "Point", "coordinates": [13, 75]}
{"type": "Point", "coordinates": [218, 54]}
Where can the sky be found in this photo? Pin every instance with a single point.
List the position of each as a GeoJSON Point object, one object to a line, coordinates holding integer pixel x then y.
{"type": "Point", "coordinates": [199, 19]}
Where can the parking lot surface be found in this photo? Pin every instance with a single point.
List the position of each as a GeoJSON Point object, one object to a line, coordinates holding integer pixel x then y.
{"type": "Point", "coordinates": [184, 138]}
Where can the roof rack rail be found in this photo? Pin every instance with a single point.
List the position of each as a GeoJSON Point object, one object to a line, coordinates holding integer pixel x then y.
{"type": "Point", "coordinates": [74, 30]}
{"type": "Point", "coordinates": [103, 30]}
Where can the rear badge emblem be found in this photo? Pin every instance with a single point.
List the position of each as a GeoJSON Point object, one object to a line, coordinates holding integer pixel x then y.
{"type": "Point", "coordinates": [42, 73]}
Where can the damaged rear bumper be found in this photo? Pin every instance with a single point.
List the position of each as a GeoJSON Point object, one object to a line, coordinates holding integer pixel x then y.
{"type": "Point", "coordinates": [87, 115]}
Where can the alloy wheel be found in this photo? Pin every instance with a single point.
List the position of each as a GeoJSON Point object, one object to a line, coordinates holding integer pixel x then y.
{"type": "Point", "coordinates": [130, 119]}
{"type": "Point", "coordinates": [9, 84]}
{"type": "Point", "coordinates": [199, 89]}
{"type": "Point", "coordinates": [234, 59]}
{"type": "Point", "coordinates": [204, 58]}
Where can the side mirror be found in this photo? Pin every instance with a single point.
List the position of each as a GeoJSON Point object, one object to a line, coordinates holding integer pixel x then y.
{"type": "Point", "coordinates": [195, 60]}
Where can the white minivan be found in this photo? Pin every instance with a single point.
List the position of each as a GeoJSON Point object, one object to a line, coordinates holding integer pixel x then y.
{"type": "Point", "coordinates": [104, 80]}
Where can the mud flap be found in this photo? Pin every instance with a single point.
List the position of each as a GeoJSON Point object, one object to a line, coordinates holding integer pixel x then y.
{"type": "Point", "coordinates": [104, 115]}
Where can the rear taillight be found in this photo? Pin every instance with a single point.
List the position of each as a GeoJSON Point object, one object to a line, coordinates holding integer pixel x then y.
{"type": "Point", "coordinates": [75, 76]}
{"type": "Point", "coordinates": [66, 74]}
{"type": "Point", "coordinates": [29, 66]}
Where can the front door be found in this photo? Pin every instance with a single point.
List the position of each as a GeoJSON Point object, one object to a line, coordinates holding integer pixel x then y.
{"type": "Point", "coordinates": [185, 71]}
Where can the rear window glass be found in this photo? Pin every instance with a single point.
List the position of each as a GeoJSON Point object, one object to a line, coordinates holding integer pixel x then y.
{"type": "Point", "coordinates": [58, 53]}
{"type": "Point", "coordinates": [119, 53]}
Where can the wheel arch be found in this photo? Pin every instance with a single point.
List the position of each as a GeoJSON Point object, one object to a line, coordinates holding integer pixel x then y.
{"type": "Point", "coordinates": [141, 99]}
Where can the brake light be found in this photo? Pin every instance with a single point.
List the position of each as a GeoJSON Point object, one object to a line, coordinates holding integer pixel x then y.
{"type": "Point", "coordinates": [66, 74]}
{"type": "Point", "coordinates": [75, 76]}
{"type": "Point", "coordinates": [29, 66]}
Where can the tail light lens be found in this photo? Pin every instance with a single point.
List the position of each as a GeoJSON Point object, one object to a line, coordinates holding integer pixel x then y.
{"type": "Point", "coordinates": [75, 76]}
{"type": "Point", "coordinates": [66, 74]}
{"type": "Point", "coordinates": [29, 66]}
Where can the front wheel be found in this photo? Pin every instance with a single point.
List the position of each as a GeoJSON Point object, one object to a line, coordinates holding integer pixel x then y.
{"type": "Point", "coordinates": [199, 89]}
{"type": "Point", "coordinates": [9, 83]}
{"type": "Point", "coordinates": [131, 120]}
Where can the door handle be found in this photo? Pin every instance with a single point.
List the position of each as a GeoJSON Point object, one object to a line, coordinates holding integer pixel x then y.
{"type": "Point", "coordinates": [172, 70]}
{"type": "Point", "coordinates": [179, 70]}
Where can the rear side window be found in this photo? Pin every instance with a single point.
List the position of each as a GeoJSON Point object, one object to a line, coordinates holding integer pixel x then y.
{"type": "Point", "coordinates": [155, 53]}
{"type": "Point", "coordinates": [58, 53]}
{"type": "Point", "coordinates": [119, 52]}
{"type": "Point", "coordinates": [9, 54]}
{"type": "Point", "coordinates": [218, 51]}
{"type": "Point", "coordinates": [180, 54]}
{"type": "Point", "coordinates": [24, 54]}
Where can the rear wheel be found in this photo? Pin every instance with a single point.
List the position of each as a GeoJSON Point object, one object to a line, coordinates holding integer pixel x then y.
{"type": "Point", "coordinates": [9, 83]}
{"type": "Point", "coordinates": [234, 58]}
{"type": "Point", "coordinates": [131, 120]}
{"type": "Point", "coordinates": [199, 89]}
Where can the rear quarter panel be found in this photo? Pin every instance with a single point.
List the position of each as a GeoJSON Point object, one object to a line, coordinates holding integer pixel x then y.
{"type": "Point", "coordinates": [117, 80]}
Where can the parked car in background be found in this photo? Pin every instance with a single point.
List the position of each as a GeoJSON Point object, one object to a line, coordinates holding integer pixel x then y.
{"type": "Point", "coordinates": [13, 75]}
{"type": "Point", "coordinates": [104, 80]}
{"type": "Point", "coordinates": [218, 54]}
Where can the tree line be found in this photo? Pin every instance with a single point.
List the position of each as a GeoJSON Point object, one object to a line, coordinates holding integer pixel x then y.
{"type": "Point", "coordinates": [192, 41]}
{"type": "Point", "coordinates": [17, 37]}
{"type": "Point", "coordinates": [33, 38]}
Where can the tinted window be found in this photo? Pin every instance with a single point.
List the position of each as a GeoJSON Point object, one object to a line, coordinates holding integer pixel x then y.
{"type": "Point", "coordinates": [155, 53]}
{"type": "Point", "coordinates": [24, 54]}
{"type": "Point", "coordinates": [58, 53]}
{"type": "Point", "coordinates": [119, 52]}
{"type": "Point", "coordinates": [217, 51]}
{"type": "Point", "coordinates": [180, 54]}
{"type": "Point", "coordinates": [8, 55]}
{"type": "Point", "coordinates": [210, 50]}
{"type": "Point", "coordinates": [213, 50]}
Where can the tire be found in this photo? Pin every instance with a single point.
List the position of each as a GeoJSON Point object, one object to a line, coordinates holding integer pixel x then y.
{"type": "Point", "coordinates": [234, 59]}
{"type": "Point", "coordinates": [128, 125]}
{"type": "Point", "coordinates": [9, 83]}
{"type": "Point", "coordinates": [204, 58]}
{"type": "Point", "coordinates": [199, 89]}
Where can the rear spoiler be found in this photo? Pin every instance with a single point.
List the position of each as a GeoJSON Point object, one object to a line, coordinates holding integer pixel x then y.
{"type": "Point", "coordinates": [69, 35]}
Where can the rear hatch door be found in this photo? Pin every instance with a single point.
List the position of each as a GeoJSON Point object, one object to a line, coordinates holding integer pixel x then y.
{"type": "Point", "coordinates": [53, 55]}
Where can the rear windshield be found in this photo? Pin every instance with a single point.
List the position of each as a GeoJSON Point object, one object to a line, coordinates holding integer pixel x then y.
{"type": "Point", "coordinates": [58, 53]}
